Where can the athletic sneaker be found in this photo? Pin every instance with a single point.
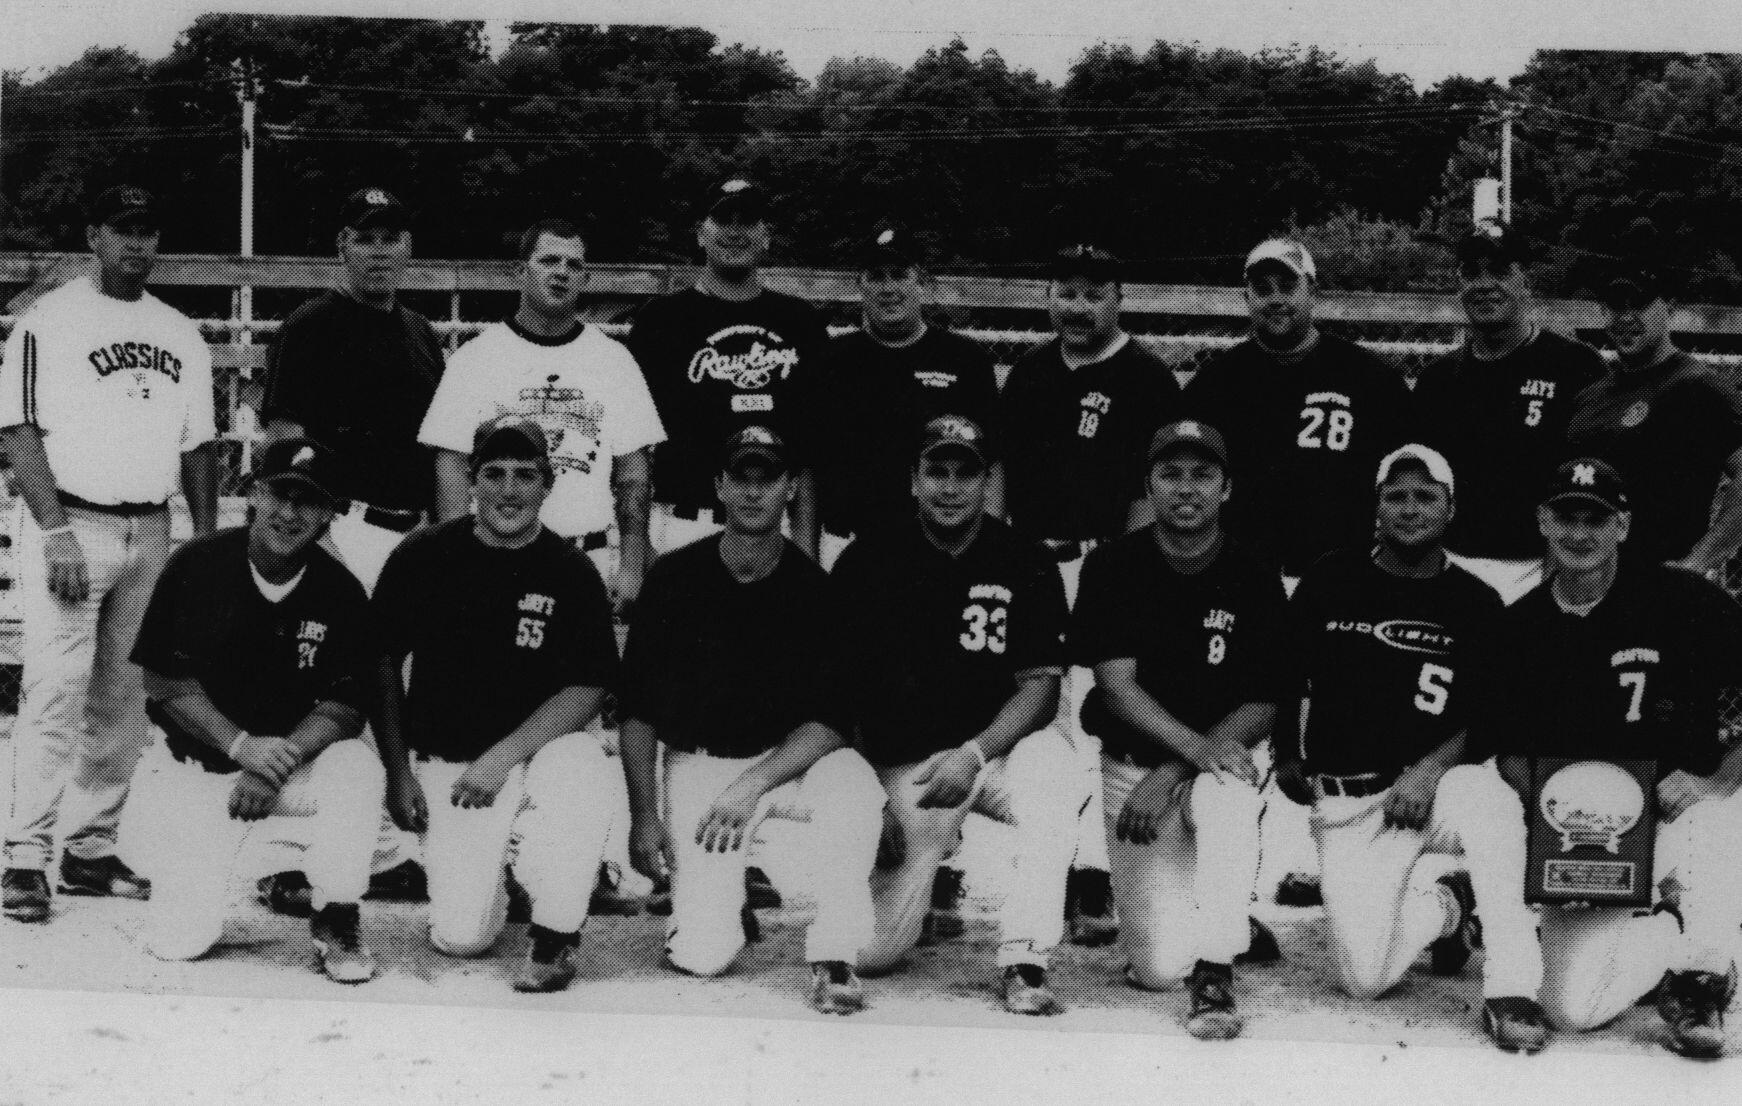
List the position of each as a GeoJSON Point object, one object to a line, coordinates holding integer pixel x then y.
{"type": "Point", "coordinates": [26, 894]}
{"type": "Point", "coordinates": [103, 875]}
{"type": "Point", "coordinates": [1299, 889]}
{"type": "Point", "coordinates": [836, 988]}
{"type": "Point", "coordinates": [1449, 954]}
{"type": "Point", "coordinates": [943, 922]}
{"type": "Point", "coordinates": [1516, 1024]}
{"type": "Point", "coordinates": [550, 961]}
{"type": "Point", "coordinates": [286, 893]}
{"type": "Point", "coordinates": [1261, 947]}
{"type": "Point", "coordinates": [343, 956]}
{"type": "Point", "coordinates": [759, 890]}
{"type": "Point", "coordinates": [1026, 991]}
{"type": "Point", "coordinates": [1089, 907]}
{"type": "Point", "coordinates": [609, 898]}
{"type": "Point", "coordinates": [1212, 1016]}
{"type": "Point", "coordinates": [1693, 1005]}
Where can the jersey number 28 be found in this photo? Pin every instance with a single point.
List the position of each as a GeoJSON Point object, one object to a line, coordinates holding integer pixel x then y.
{"type": "Point", "coordinates": [1324, 429]}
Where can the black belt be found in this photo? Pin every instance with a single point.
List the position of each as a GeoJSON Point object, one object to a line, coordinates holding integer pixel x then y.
{"type": "Point", "coordinates": [124, 510]}
{"type": "Point", "coordinates": [587, 543]}
{"type": "Point", "coordinates": [388, 518]}
{"type": "Point", "coordinates": [1352, 787]}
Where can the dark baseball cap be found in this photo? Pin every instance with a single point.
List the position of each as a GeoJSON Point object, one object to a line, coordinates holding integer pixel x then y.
{"type": "Point", "coordinates": [373, 205]}
{"type": "Point", "coordinates": [124, 203]}
{"type": "Point", "coordinates": [298, 461]}
{"type": "Point", "coordinates": [513, 436]}
{"type": "Point", "coordinates": [889, 246]}
{"type": "Point", "coordinates": [737, 195]}
{"type": "Point", "coordinates": [953, 432]}
{"type": "Point", "coordinates": [753, 441]}
{"type": "Point", "coordinates": [1189, 434]}
{"type": "Point", "coordinates": [1636, 275]}
{"type": "Point", "coordinates": [1086, 260]}
{"type": "Point", "coordinates": [1588, 478]}
{"type": "Point", "coordinates": [1494, 243]}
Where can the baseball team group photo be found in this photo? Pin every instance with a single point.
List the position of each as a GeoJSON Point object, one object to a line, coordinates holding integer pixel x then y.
{"type": "Point", "coordinates": [581, 517]}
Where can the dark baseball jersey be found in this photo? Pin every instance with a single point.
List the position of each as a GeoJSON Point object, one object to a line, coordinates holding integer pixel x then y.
{"type": "Point", "coordinates": [716, 365]}
{"type": "Point", "coordinates": [728, 667]}
{"type": "Point", "coordinates": [1668, 430]}
{"type": "Point", "coordinates": [493, 633]}
{"type": "Point", "coordinates": [263, 664]}
{"type": "Point", "coordinates": [359, 380]}
{"type": "Point", "coordinates": [878, 399]}
{"type": "Point", "coordinates": [1394, 665]}
{"type": "Point", "coordinates": [1639, 676]}
{"type": "Point", "coordinates": [1073, 440]}
{"type": "Point", "coordinates": [1205, 643]}
{"type": "Point", "coordinates": [935, 642]}
{"type": "Point", "coordinates": [1502, 424]}
{"type": "Point", "coordinates": [1304, 437]}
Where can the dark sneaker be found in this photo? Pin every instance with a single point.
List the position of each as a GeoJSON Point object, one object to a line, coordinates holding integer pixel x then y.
{"type": "Point", "coordinates": [1693, 1005]}
{"type": "Point", "coordinates": [404, 882]}
{"type": "Point", "coordinates": [609, 898]}
{"type": "Point", "coordinates": [1026, 991]}
{"type": "Point", "coordinates": [1089, 908]}
{"type": "Point", "coordinates": [1449, 954]}
{"type": "Point", "coordinates": [759, 890]}
{"type": "Point", "coordinates": [105, 876]}
{"type": "Point", "coordinates": [519, 902]}
{"type": "Point", "coordinates": [835, 988]}
{"type": "Point", "coordinates": [335, 929]}
{"type": "Point", "coordinates": [26, 894]}
{"type": "Point", "coordinates": [1299, 889]}
{"type": "Point", "coordinates": [1516, 1024]}
{"type": "Point", "coordinates": [944, 921]}
{"type": "Point", "coordinates": [1263, 948]}
{"type": "Point", "coordinates": [752, 928]}
{"type": "Point", "coordinates": [550, 961]}
{"type": "Point", "coordinates": [1212, 1016]}
{"type": "Point", "coordinates": [287, 893]}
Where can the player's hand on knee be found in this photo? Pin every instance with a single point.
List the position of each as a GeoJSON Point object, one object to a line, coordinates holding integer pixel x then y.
{"type": "Point", "coordinates": [892, 845]}
{"type": "Point", "coordinates": [650, 849]}
{"type": "Point", "coordinates": [68, 577]}
{"type": "Point", "coordinates": [1150, 802]}
{"type": "Point", "coordinates": [253, 797]}
{"type": "Point", "coordinates": [948, 778]}
{"type": "Point", "coordinates": [726, 824]}
{"type": "Point", "coordinates": [272, 757]}
{"type": "Point", "coordinates": [1678, 791]}
{"type": "Point", "coordinates": [1410, 802]}
{"type": "Point", "coordinates": [1226, 759]}
{"type": "Point", "coordinates": [406, 804]}
{"type": "Point", "coordinates": [481, 782]}
{"type": "Point", "coordinates": [1291, 780]}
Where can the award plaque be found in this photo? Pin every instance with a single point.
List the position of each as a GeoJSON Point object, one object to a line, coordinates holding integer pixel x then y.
{"type": "Point", "coordinates": [1592, 827]}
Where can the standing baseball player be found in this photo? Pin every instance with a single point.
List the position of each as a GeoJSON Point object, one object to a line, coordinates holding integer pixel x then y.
{"type": "Point", "coordinates": [105, 405]}
{"type": "Point", "coordinates": [1391, 640]}
{"type": "Point", "coordinates": [1498, 408]}
{"type": "Point", "coordinates": [956, 629]}
{"type": "Point", "coordinates": [730, 666]}
{"type": "Point", "coordinates": [1617, 659]}
{"type": "Point", "coordinates": [1184, 630]}
{"type": "Point", "coordinates": [509, 633]}
{"type": "Point", "coordinates": [259, 659]}
{"type": "Point", "coordinates": [1076, 416]}
{"type": "Point", "coordinates": [723, 355]}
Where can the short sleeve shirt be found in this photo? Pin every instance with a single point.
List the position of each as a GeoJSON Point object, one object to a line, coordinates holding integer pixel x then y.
{"type": "Point", "coordinates": [716, 365]}
{"type": "Point", "coordinates": [1668, 430]}
{"type": "Point", "coordinates": [1205, 643]}
{"type": "Point", "coordinates": [935, 642]}
{"type": "Point", "coordinates": [584, 390]}
{"type": "Point", "coordinates": [264, 665]}
{"type": "Point", "coordinates": [359, 380]}
{"type": "Point", "coordinates": [119, 390]}
{"type": "Point", "coordinates": [492, 633]}
{"type": "Point", "coordinates": [732, 668]}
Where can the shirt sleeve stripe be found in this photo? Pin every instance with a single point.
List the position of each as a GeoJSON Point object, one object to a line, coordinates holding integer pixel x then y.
{"type": "Point", "coordinates": [28, 375]}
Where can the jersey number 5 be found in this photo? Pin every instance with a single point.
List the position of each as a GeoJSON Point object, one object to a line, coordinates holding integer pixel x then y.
{"type": "Point", "coordinates": [985, 629]}
{"type": "Point", "coordinates": [1435, 684]}
{"type": "Point", "coordinates": [1337, 427]}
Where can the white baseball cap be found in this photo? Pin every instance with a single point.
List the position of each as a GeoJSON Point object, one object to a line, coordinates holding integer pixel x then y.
{"type": "Point", "coordinates": [1435, 462]}
{"type": "Point", "coordinates": [1286, 252]}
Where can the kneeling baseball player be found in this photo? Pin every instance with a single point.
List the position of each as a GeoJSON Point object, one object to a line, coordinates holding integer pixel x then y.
{"type": "Point", "coordinates": [1618, 661]}
{"type": "Point", "coordinates": [956, 629]}
{"type": "Point", "coordinates": [1390, 640]}
{"type": "Point", "coordinates": [259, 664]}
{"type": "Point", "coordinates": [508, 628]}
{"type": "Point", "coordinates": [1184, 631]}
{"type": "Point", "coordinates": [731, 666]}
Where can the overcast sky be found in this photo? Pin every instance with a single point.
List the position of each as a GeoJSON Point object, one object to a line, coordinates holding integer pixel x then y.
{"type": "Point", "coordinates": [1427, 40]}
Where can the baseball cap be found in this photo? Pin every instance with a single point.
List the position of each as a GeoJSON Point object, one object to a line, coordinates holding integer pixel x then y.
{"type": "Point", "coordinates": [373, 205]}
{"type": "Point", "coordinates": [952, 432]}
{"type": "Point", "coordinates": [1438, 468]}
{"type": "Point", "coordinates": [1588, 478]}
{"type": "Point", "coordinates": [753, 441]}
{"type": "Point", "coordinates": [509, 436]}
{"type": "Point", "coordinates": [1189, 434]}
{"type": "Point", "coordinates": [1636, 276]}
{"type": "Point", "coordinates": [890, 246]}
{"type": "Point", "coordinates": [738, 194]}
{"type": "Point", "coordinates": [1286, 252]}
{"type": "Point", "coordinates": [298, 461]}
{"type": "Point", "coordinates": [1493, 242]}
{"type": "Point", "coordinates": [124, 202]}
{"type": "Point", "coordinates": [1087, 260]}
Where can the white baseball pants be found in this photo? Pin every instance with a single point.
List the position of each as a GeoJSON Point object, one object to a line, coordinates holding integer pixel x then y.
{"type": "Point", "coordinates": [1186, 895]}
{"type": "Point", "coordinates": [1385, 908]}
{"type": "Point", "coordinates": [1598, 962]}
{"type": "Point", "coordinates": [195, 842]}
{"type": "Point", "coordinates": [1089, 836]}
{"type": "Point", "coordinates": [841, 800]}
{"type": "Point", "coordinates": [1029, 790]}
{"type": "Point", "coordinates": [558, 807]}
{"type": "Point", "coordinates": [81, 716]}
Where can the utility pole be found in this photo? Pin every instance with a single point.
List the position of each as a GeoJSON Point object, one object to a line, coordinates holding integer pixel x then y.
{"type": "Point", "coordinates": [1508, 112]}
{"type": "Point", "coordinates": [247, 90]}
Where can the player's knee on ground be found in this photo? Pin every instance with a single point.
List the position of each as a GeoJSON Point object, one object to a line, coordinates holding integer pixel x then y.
{"type": "Point", "coordinates": [1152, 972]}
{"type": "Point", "coordinates": [172, 937]}
{"type": "Point", "coordinates": [451, 938]}
{"type": "Point", "coordinates": [706, 958]}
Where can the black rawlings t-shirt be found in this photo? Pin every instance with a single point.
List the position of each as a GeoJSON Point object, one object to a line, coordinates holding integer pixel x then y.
{"type": "Point", "coordinates": [729, 667]}
{"type": "Point", "coordinates": [1073, 440]}
{"type": "Point", "coordinates": [878, 401]}
{"type": "Point", "coordinates": [1503, 426]}
{"type": "Point", "coordinates": [359, 380]}
{"type": "Point", "coordinates": [492, 633]}
{"type": "Point", "coordinates": [1394, 666]}
{"type": "Point", "coordinates": [1668, 430]}
{"type": "Point", "coordinates": [264, 665]}
{"type": "Point", "coordinates": [1304, 442]}
{"type": "Point", "coordinates": [1638, 677]}
{"type": "Point", "coordinates": [715, 365]}
{"type": "Point", "coordinates": [1204, 644]}
{"type": "Point", "coordinates": [935, 642]}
